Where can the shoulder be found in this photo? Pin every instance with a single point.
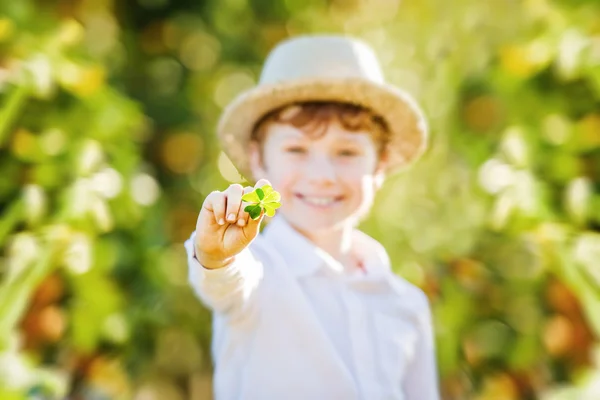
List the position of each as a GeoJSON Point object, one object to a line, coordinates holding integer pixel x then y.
{"type": "Point", "coordinates": [412, 296]}
{"type": "Point", "coordinates": [378, 255]}
{"type": "Point", "coordinates": [372, 249]}
{"type": "Point", "coordinates": [414, 302]}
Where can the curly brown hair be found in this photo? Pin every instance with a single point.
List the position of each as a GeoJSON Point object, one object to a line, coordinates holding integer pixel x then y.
{"type": "Point", "coordinates": [313, 118]}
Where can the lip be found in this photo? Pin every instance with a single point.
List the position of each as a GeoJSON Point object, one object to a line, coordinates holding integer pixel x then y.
{"type": "Point", "coordinates": [336, 201]}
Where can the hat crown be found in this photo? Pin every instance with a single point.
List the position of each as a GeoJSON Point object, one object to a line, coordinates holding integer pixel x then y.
{"type": "Point", "coordinates": [318, 57]}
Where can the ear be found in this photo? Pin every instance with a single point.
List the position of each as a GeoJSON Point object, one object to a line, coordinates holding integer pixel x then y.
{"type": "Point", "coordinates": [256, 162]}
{"type": "Point", "coordinates": [379, 178]}
{"type": "Point", "coordinates": [379, 175]}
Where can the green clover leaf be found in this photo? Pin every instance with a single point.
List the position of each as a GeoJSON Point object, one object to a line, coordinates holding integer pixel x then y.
{"type": "Point", "coordinates": [270, 208]}
{"type": "Point", "coordinates": [260, 193]}
{"type": "Point", "coordinates": [253, 210]}
{"type": "Point", "coordinates": [263, 198]}
{"type": "Point", "coordinates": [251, 197]}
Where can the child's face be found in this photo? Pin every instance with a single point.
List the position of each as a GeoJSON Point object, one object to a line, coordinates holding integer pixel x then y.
{"type": "Point", "coordinates": [325, 182]}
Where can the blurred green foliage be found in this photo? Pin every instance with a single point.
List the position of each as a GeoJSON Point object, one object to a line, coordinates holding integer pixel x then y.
{"type": "Point", "coordinates": [107, 149]}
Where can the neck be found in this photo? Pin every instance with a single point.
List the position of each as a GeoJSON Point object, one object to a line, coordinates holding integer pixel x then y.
{"type": "Point", "coordinates": [336, 242]}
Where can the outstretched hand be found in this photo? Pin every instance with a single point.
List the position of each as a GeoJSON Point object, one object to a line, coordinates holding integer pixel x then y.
{"type": "Point", "coordinates": [224, 228]}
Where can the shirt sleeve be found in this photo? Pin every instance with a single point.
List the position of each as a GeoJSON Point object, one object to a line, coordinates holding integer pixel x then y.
{"type": "Point", "coordinates": [229, 290]}
{"type": "Point", "coordinates": [421, 380]}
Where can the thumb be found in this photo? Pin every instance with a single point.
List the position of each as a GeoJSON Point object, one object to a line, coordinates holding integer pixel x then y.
{"type": "Point", "coordinates": [262, 182]}
{"type": "Point", "coordinates": [253, 225]}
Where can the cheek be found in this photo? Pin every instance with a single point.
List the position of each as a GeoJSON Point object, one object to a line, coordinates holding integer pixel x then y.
{"type": "Point", "coordinates": [281, 174]}
{"type": "Point", "coordinates": [356, 176]}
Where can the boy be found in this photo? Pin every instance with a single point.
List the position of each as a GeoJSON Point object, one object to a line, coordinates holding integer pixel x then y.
{"type": "Point", "coordinates": [310, 309]}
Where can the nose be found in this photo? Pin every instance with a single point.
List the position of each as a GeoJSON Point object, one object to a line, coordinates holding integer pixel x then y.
{"type": "Point", "coordinates": [320, 169]}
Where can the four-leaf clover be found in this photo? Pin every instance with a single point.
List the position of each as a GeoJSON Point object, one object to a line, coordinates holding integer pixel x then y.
{"type": "Point", "coordinates": [262, 198]}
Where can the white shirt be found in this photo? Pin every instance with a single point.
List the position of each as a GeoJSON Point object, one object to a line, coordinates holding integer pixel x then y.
{"type": "Point", "coordinates": [289, 323]}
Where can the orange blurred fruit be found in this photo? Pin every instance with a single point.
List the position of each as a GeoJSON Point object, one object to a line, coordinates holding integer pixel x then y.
{"type": "Point", "coordinates": [49, 291]}
{"type": "Point", "coordinates": [558, 335]}
{"type": "Point", "coordinates": [561, 298]}
{"type": "Point", "coordinates": [482, 113]}
{"type": "Point", "coordinates": [109, 376]}
{"type": "Point", "coordinates": [43, 326]}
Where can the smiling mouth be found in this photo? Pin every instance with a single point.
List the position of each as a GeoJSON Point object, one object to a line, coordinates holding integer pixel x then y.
{"type": "Point", "coordinates": [320, 201]}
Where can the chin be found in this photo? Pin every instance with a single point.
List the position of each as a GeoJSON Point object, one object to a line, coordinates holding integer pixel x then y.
{"type": "Point", "coordinates": [304, 224]}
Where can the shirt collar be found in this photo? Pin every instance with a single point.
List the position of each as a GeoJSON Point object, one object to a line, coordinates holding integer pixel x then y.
{"type": "Point", "coordinates": [305, 258]}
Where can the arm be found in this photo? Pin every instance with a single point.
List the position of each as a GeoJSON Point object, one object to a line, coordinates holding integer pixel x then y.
{"type": "Point", "coordinates": [222, 269]}
{"type": "Point", "coordinates": [421, 380]}
{"type": "Point", "coordinates": [227, 290]}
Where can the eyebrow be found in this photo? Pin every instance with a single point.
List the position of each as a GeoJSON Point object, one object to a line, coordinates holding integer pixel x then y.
{"type": "Point", "coordinates": [350, 139]}
{"type": "Point", "coordinates": [295, 135]}
{"type": "Point", "coordinates": [353, 139]}
{"type": "Point", "coordinates": [292, 136]}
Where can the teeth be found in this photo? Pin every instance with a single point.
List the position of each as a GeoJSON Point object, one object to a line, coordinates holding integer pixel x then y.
{"type": "Point", "coordinates": [320, 201]}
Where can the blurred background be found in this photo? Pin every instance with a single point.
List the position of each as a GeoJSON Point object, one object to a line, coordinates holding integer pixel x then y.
{"type": "Point", "coordinates": [107, 150]}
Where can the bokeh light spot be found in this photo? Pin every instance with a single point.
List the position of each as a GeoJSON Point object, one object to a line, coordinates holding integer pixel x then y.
{"type": "Point", "coordinates": [182, 152]}
{"type": "Point", "coordinates": [228, 170]}
{"type": "Point", "coordinates": [144, 189]}
{"type": "Point", "coordinates": [229, 86]}
{"type": "Point", "coordinates": [199, 51]}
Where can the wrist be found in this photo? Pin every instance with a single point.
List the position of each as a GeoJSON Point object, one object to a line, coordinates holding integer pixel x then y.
{"type": "Point", "coordinates": [216, 264]}
{"type": "Point", "coordinates": [211, 262]}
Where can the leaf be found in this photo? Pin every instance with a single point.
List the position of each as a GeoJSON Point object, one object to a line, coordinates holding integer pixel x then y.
{"type": "Point", "coordinates": [251, 197]}
{"type": "Point", "coordinates": [254, 210]}
{"type": "Point", "coordinates": [270, 194]}
{"type": "Point", "coordinates": [15, 295]}
{"type": "Point", "coordinates": [11, 109]}
{"type": "Point", "coordinates": [12, 215]}
{"type": "Point", "coordinates": [260, 193]}
{"type": "Point", "coordinates": [263, 198]}
{"type": "Point", "coordinates": [270, 208]}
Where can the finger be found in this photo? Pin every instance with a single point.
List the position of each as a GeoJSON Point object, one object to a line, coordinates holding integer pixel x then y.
{"type": "Point", "coordinates": [243, 216]}
{"type": "Point", "coordinates": [234, 200]}
{"type": "Point", "coordinates": [261, 183]}
{"type": "Point", "coordinates": [215, 204]}
{"type": "Point", "coordinates": [206, 216]}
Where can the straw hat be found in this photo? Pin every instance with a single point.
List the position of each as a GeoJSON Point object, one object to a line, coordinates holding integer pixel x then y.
{"type": "Point", "coordinates": [324, 68]}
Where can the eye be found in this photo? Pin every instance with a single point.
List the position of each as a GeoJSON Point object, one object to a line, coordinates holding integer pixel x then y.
{"type": "Point", "coordinates": [295, 150]}
{"type": "Point", "coordinates": [347, 153]}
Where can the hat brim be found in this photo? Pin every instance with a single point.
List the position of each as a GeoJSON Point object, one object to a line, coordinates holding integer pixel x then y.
{"type": "Point", "coordinates": [409, 133]}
